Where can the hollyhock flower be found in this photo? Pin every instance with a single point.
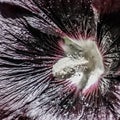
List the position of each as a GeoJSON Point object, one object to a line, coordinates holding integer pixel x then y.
{"type": "Point", "coordinates": [59, 60]}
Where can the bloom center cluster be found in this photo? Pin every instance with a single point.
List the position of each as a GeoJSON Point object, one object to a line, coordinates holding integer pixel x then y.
{"type": "Point", "coordinates": [82, 65]}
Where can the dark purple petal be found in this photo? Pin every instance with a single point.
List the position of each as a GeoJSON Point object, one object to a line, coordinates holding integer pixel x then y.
{"type": "Point", "coordinates": [75, 18]}
{"type": "Point", "coordinates": [12, 10]}
{"type": "Point", "coordinates": [31, 42]}
{"type": "Point", "coordinates": [106, 6]}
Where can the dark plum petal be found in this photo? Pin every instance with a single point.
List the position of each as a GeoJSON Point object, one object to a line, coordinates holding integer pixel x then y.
{"type": "Point", "coordinates": [12, 10]}
{"type": "Point", "coordinates": [26, 59]}
{"type": "Point", "coordinates": [109, 41]}
{"type": "Point", "coordinates": [108, 34]}
{"type": "Point", "coordinates": [32, 38]}
{"type": "Point", "coordinates": [32, 13]}
{"type": "Point", "coordinates": [75, 18]}
{"type": "Point", "coordinates": [106, 6]}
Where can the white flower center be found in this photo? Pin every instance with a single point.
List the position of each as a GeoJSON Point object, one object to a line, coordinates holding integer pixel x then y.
{"type": "Point", "coordinates": [82, 65]}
